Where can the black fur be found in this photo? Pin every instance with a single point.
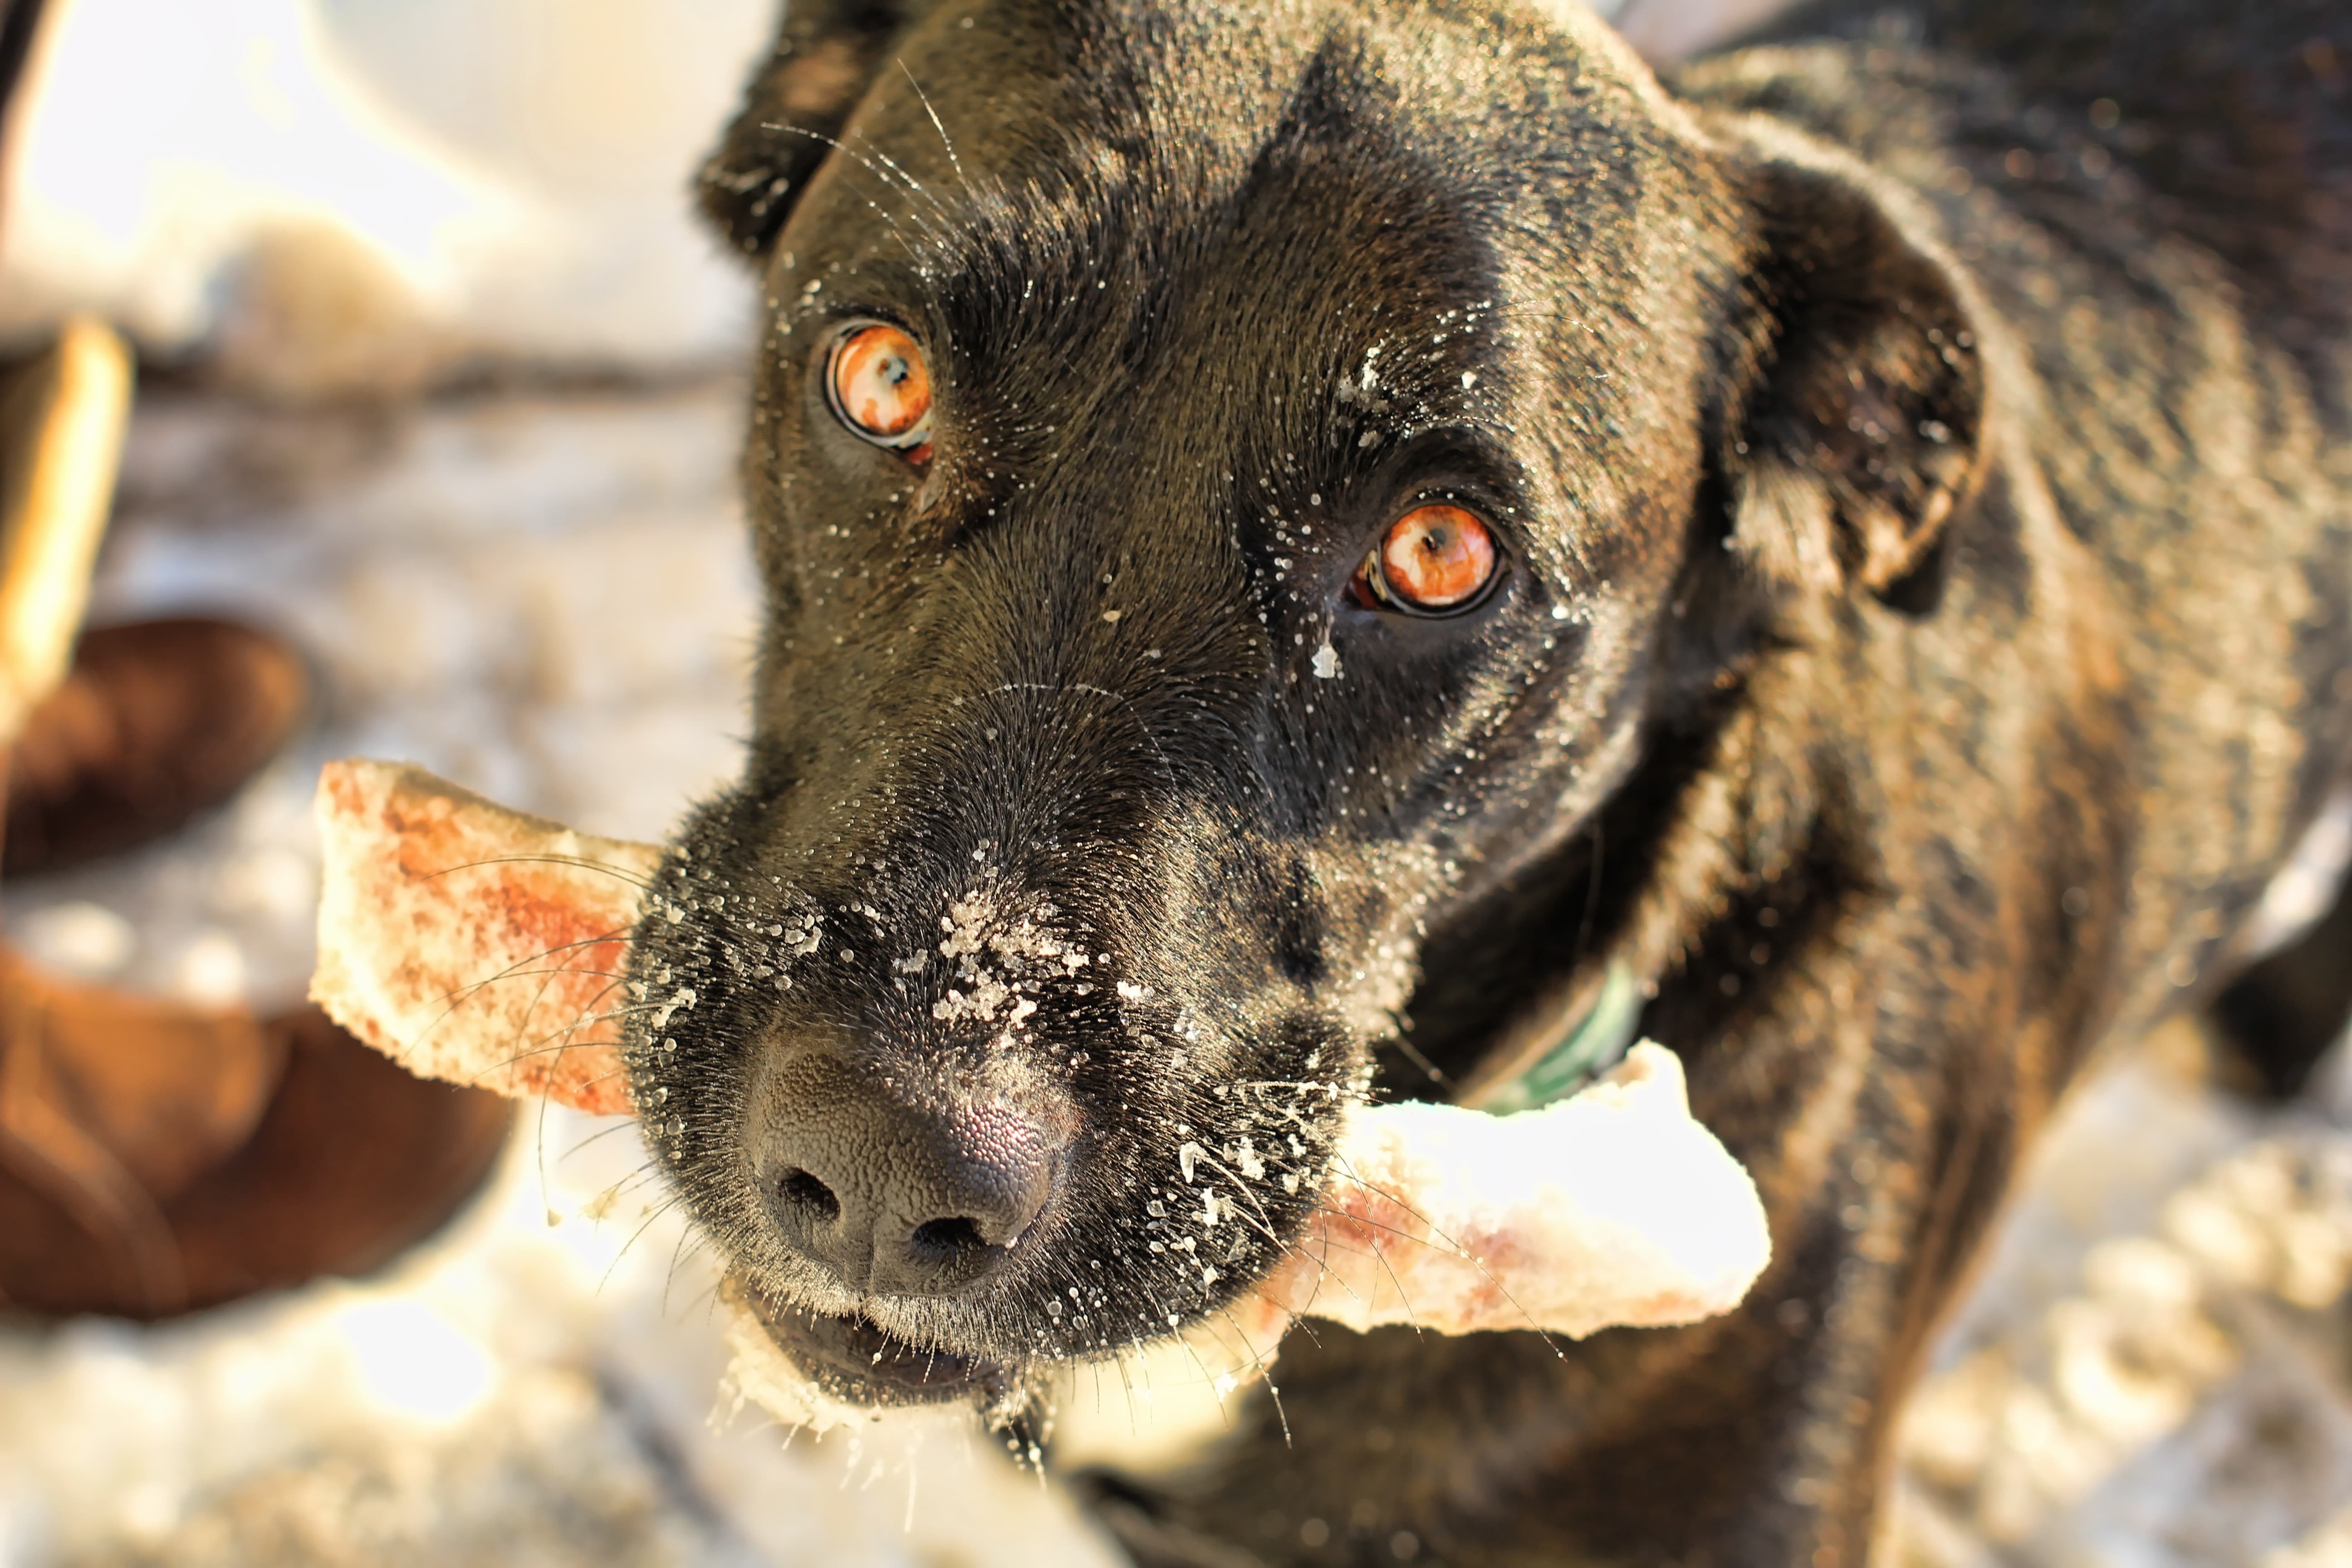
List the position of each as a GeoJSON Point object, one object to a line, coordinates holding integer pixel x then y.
{"type": "Point", "coordinates": [1916, 449]}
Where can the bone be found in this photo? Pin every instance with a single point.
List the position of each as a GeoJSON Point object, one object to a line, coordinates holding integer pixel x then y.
{"type": "Point", "coordinates": [1611, 1208]}
{"type": "Point", "coordinates": [482, 945]}
{"type": "Point", "coordinates": [474, 944]}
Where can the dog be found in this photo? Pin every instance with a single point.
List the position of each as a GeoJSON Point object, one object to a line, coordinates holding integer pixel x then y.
{"type": "Point", "coordinates": [1308, 544]}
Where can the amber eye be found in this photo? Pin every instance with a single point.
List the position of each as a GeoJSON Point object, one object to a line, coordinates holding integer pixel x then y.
{"type": "Point", "coordinates": [880, 388]}
{"type": "Point", "coordinates": [1432, 559]}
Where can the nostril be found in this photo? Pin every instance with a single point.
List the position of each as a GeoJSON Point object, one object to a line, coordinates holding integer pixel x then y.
{"type": "Point", "coordinates": [810, 1196]}
{"type": "Point", "coordinates": [948, 1239]}
{"type": "Point", "coordinates": [890, 1193]}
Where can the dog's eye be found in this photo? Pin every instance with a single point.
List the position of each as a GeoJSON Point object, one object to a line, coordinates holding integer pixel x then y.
{"type": "Point", "coordinates": [1433, 559]}
{"type": "Point", "coordinates": [881, 389]}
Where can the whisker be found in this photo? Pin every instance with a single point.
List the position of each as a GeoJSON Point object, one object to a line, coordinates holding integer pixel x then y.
{"type": "Point", "coordinates": [686, 1237]}
{"type": "Point", "coordinates": [606, 1277]}
{"type": "Point", "coordinates": [1265, 1373]}
{"type": "Point", "coordinates": [936, 236]}
{"type": "Point", "coordinates": [926, 100]}
{"type": "Point", "coordinates": [547, 1087]}
{"type": "Point", "coordinates": [1127, 1383]}
{"type": "Point", "coordinates": [1208, 1378]}
{"type": "Point", "coordinates": [596, 1137]}
{"type": "Point", "coordinates": [585, 1018]}
{"type": "Point", "coordinates": [580, 862]}
{"type": "Point", "coordinates": [1211, 1160]}
{"type": "Point", "coordinates": [1377, 1256]}
{"type": "Point", "coordinates": [453, 1000]}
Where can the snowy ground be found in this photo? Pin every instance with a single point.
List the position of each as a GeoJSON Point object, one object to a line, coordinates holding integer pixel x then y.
{"type": "Point", "coordinates": [2155, 1369]}
{"type": "Point", "coordinates": [545, 595]}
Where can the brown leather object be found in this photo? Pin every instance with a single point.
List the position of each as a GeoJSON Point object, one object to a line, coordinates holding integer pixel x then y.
{"type": "Point", "coordinates": [156, 1160]}
{"type": "Point", "coordinates": [157, 722]}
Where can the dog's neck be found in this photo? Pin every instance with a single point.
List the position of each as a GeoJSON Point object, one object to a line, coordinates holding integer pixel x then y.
{"type": "Point", "coordinates": [1685, 824]}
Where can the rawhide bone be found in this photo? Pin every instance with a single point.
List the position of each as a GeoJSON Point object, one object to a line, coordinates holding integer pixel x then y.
{"type": "Point", "coordinates": [474, 944]}
{"type": "Point", "coordinates": [482, 945]}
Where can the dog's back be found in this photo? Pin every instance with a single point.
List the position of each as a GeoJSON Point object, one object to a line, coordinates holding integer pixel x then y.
{"type": "Point", "coordinates": [2155, 198]}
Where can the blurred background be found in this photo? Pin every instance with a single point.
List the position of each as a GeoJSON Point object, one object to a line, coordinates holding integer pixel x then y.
{"type": "Point", "coordinates": [440, 383]}
{"type": "Point", "coordinates": [324, 196]}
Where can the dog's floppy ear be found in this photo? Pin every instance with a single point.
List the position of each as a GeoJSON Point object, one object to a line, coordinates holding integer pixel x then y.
{"type": "Point", "coordinates": [1862, 416]}
{"type": "Point", "coordinates": [801, 94]}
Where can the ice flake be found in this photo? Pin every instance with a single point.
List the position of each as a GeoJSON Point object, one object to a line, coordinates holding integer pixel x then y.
{"type": "Point", "coordinates": [1188, 1158]}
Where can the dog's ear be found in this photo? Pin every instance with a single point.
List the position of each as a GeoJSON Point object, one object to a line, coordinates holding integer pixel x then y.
{"type": "Point", "coordinates": [801, 94]}
{"type": "Point", "coordinates": [1859, 423]}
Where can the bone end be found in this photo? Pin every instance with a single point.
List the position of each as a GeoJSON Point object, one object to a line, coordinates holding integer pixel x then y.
{"type": "Point", "coordinates": [1613, 1208]}
{"type": "Point", "coordinates": [471, 942]}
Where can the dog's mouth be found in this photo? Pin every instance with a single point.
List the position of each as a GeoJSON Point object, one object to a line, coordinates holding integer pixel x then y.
{"type": "Point", "coordinates": [857, 1361]}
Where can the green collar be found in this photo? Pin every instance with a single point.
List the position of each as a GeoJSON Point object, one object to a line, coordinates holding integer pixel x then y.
{"type": "Point", "coordinates": [1588, 1047]}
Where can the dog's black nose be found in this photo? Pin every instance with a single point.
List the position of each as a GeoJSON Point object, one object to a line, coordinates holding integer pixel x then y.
{"type": "Point", "coordinates": [892, 1195]}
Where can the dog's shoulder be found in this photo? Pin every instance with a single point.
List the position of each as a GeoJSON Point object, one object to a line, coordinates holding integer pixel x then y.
{"type": "Point", "coordinates": [2151, 201]}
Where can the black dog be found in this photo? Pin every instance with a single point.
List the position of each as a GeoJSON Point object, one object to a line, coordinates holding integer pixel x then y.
{"type": "Point", "coordinates": [1302, 539]}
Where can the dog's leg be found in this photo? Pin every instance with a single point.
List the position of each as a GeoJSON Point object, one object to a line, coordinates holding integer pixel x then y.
{"type": "Point", "coordinates": [2293, 1003]}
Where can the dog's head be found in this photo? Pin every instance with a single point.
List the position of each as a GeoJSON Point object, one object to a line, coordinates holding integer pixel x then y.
{"type": "Point", "coordinates": [1235, 488]}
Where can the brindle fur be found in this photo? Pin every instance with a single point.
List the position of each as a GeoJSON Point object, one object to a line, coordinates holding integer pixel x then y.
{"type": "Point", "coordinates": [1926, 498]}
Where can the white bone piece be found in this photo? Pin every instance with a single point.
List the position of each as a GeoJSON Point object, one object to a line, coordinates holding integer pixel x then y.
{"type": "Point", "coordinates": [479, 944]}
{"type": "Point", "coordinates": [1614, 1207]}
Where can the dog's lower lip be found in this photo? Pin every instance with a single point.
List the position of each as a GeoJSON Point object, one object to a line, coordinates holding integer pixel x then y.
{"type": "Point", "coordinates": [857, 1359]}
